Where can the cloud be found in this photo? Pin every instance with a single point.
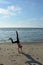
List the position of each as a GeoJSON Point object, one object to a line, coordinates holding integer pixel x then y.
{"type": "Point", "coordinates": [35, 19]}
{"type": "Point", "coordinates": [4, 2]}
{"type": "Point", "coordinates": [10, 10]}
{"type": "Point", "coordinates": [41, 18]}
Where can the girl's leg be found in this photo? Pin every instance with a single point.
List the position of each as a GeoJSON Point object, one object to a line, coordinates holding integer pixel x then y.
{"type": "Point", "coordinates": [18, 50]}
{"type": "Point", "coordinates": [21, 49]}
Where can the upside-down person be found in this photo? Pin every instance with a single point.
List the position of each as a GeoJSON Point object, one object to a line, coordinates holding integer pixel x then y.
{"type": "Point", "coordinates": [18, 42]}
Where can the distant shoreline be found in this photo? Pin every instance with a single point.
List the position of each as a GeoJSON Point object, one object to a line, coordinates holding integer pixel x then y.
{"type": "Point", "coordinates": [22, 43]}
{"type": "Point", "coordinates": [21, 27]}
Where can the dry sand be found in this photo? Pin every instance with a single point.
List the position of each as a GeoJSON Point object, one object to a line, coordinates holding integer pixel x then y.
{"type": "Point", "coordinates": [32, 54]}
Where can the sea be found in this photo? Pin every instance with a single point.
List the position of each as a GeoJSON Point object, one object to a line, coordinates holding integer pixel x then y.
{"type": "Point", "coordinates": [25, 34]}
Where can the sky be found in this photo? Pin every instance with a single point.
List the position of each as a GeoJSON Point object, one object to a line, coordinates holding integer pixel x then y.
{"type": "Point", "coordinates": [21, 13]}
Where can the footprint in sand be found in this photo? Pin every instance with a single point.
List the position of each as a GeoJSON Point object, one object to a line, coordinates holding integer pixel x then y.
{"type": "Point", "coordinates": [37, 58]}
{"type": "Point", "coordinates": [1, 64]}
{"type": "Point", "coordinates": [13, 60]}
{"type": "Point", "coordinates": [7, 49]}
{"type": "Point", "coordinates": [0, 48]}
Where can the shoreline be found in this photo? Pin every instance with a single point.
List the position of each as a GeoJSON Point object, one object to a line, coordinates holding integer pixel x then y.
{"type": "Point", "coordinates": [21, 42]}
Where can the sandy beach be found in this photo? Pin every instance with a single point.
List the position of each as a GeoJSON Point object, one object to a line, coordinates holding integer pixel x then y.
{"type": "Point", "coordinates": [32, 54]}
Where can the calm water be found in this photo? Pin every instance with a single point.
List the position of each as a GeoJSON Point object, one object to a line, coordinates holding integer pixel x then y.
{"type": "Point", "coordinates": [25, 34]}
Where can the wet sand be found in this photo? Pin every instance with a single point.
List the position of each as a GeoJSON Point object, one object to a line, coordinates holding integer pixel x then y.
{"type": "Point", "coordinates": [32, 54]}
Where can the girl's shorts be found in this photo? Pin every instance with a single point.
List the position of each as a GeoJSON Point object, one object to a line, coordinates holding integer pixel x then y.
{"type": "Point", "coordinates": [19, 45]}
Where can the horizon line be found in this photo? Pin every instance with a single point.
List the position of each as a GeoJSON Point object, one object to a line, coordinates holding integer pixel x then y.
{"type": "Point", "coordinates": [21, 27]}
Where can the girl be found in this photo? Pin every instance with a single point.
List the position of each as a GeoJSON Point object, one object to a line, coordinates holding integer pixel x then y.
{"type": "Point", "coordinates": [18, 42]}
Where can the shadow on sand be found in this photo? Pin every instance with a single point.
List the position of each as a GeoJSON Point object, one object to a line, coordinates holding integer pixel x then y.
{"type": "Point", "coordinates": [32, 60]}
